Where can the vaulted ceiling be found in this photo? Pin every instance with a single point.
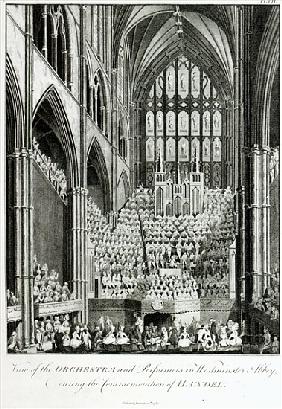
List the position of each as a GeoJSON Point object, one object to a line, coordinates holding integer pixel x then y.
{"type": "Point", "coordinates": [155, 34]}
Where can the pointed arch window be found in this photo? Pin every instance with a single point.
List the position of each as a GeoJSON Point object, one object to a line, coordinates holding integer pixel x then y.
{"type": "Point", "coordinates": [96, 99]}
{"type": "Point", "coordinates": [122, 139]}
{"type": "Point", "coordinates": [184, 109]}
{"type": "Point", "coordinates": [51, 37]}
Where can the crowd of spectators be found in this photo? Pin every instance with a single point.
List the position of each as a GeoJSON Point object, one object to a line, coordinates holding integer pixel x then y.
{"type": "Point", "coordinates": [274, 164]}
{"type": "Point", "coordinates": [209, 336]}
{"type": "Point", "coordinates": [171, 287]}
{"type": "Point", "coordinates": [47, 287]}
{"type": "Point", "coordinates": [51, 170]}
{"type": "Point", "coordinates": [197, 245]}
{"type": "Point", "coordinates": [58, 334]}
{"type": "Point", "coordinates": [118, 252]}
{"type": "Point", "coordinates": [270, 302]}
{"type": "Point", "coordinates": [11, 299]}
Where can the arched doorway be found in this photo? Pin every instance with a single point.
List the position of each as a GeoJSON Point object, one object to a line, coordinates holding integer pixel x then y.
{"type": "Point", "coordinates": [158, 319]}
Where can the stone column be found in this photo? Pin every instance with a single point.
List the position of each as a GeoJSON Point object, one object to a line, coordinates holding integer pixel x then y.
{"type": "Point", "coordinates": [230, 154]}
{"type": "Point", "coordinates": [65, 65]}
{"type": "Point", "coordinates": [232, 270]}
{"type": "Point", "coordinates": [54, 51]}
{"type": "Point", "coordinates": [260, 221]}
{"type": "Point", "coordinates": [74, 241]}
{"type": "Point", "coordinates": [131, 138]}
{"type": "Point", "coordinates": [70, 71]}
{"type": "Point", "coordinates": [92, 31]}
{"type": "Point", "coordinates": [114, 137]}
{"type": "Point", "coordinates": [109, 38]}
{"type": "Point", "coordinates": [104, 32]}
{"type": "Point", "coordinates": [82, 191]}
{"type": "Point", "coordinates": [95, 108]}
{"type": "Point", "coordinates": [100, 31]}
{"type": "Point", "coordinates": [82, 98]}
{"type": "Point", "coordinates": [265, 218]}
{"type": "Point", "coordinates": [238, 136]}
{"type": "Point", "coordinates": [15, 213]}
{"type": "Point", "coordinates": [44, 21]}
{"type": "Point", "coordinates": [95, 28]}
{"type": "Point", "coordinates": [248, 164]}
{"type": "Point", "coordinates": [78, 247]}
{"type": "Point", "coordinates": [108, 122]}
{"type": "Point", "coordinates": [135, 169]}
{"type": "Point", "coordinates": [26, 233]}
{"type": "Point", "coordinates": [135, 177]}
{"type": "Point", "coordinates": [255, 225]}
{"type": "Point", "coordinates": [24, 210]}
{"type": "Point", "coordinates": [224, 162]}
{"type": "Point", "coordinates": [91, 101]}
{"type": "Point", "coordinates": [103, 116]}
{"type": "Point", "coordinates": [138, 124]}
{"type": "Point", "coordinates": [83, 253]}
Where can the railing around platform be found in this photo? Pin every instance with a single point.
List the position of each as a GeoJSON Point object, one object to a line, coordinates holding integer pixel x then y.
{"type": "Point", "coordinates": [45, 309]}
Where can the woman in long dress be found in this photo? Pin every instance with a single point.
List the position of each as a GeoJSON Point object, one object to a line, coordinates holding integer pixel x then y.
{"type": "Point", "coordinates": [109, 338]}
{"type": "Point", "coordinates": [76, 338]}
{"type": "Point", "coordinates": [208, 343]}
{"type": "Point", "coordinates": [184, 339]}
{"type": "Point", "coordinates": [122, 338]}
{"type": "Point", "coordinates": [164, 337]}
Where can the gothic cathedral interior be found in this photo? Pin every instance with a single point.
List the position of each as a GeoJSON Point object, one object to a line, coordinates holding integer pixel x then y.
{"type": "Point", "coordinates": [142, 178]}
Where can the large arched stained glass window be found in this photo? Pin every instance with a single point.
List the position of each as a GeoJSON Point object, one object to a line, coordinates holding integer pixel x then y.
{"type": "Point", "coordinates": [184, 123]}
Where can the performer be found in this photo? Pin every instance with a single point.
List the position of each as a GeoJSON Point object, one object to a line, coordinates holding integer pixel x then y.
{"type": "Point", "coordinates": [184, 339]}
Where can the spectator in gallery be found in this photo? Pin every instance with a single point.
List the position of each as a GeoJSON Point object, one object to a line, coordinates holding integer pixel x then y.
{"type": "Point", "coordinates": [14, 344]}
{"type": "Point", "coordinates": [11, 299]}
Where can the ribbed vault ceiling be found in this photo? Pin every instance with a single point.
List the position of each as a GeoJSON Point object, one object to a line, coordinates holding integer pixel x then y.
{"type": "Point", "coordinates": [158, 33]}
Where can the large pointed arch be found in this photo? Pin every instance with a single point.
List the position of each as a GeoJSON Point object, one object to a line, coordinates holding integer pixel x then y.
{"type": "Point", "coordinates": [157, 33]}
{"type": "Point", "coordinates": [105, 101]}
{"type": "Point", "coordinates": [96, 160]}
{"type": "Point", "coordinates": [267, 65]}
{"type": "Point", "coordinates": [53, 106]}
{"type": "Point", "coordinates": [206, 59]}
{"type": "Point", "coordinates": [128, 17]}
{"type": "Point", "coordinates": [15, 141]}
{"type": "Point", "coordinates": [14, 110]}
{"type": "Point", "coordinates": [104, 87]}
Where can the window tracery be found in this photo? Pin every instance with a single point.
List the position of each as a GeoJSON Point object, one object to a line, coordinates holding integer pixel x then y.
{"type": "Point", "coordinates": [184, 109]}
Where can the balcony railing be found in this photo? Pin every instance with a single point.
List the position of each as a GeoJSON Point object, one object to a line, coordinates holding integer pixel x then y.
{"type": "Point", "coordinates": [45, 309]}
